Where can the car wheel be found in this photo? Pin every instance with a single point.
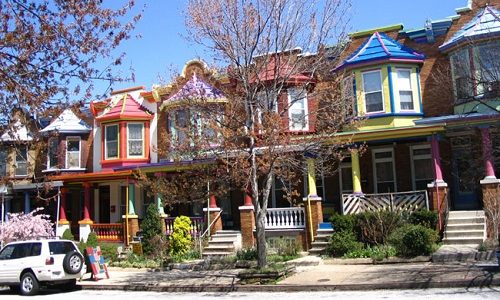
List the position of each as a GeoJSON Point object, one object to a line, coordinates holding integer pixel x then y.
{"type": "Point", "coordinates": [73, 262]}
{"type": "Point", "coordinates": [29, 284]}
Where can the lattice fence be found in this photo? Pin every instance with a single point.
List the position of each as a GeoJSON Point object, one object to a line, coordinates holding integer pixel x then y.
{"type": "Point", "coordinates": [408, 201]}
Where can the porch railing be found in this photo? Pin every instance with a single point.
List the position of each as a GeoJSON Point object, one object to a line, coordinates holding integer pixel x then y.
{"type": "Point", "coordinates": [286, 218]}
{"type": "Point", "coordinates": [197, 224]}
{"type": "Point", "coordinates": [108, 232]}
{"type": "Point", "coordinates": [403, 201]}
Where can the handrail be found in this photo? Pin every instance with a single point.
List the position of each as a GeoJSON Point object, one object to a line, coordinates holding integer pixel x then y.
{"type": "Point", "coordinates": [208, 229]}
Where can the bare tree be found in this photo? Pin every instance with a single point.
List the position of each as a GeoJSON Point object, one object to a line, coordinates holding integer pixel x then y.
{"type": "Point", "coordinates": [277, 53]}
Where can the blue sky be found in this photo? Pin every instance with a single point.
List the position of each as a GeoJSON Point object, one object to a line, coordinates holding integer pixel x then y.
{"type": "Point", "coordinates": [162, 48]}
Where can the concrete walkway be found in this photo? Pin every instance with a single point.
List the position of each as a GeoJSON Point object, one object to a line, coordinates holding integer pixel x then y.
{"type": "Point", "coordinates": [312, 274]}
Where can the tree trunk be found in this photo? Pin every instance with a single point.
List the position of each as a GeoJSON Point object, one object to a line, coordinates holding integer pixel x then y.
{"type": "Point", "coordinates": [261, 238]}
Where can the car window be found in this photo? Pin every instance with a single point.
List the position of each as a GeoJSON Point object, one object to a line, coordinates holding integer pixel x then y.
{"type": "Point", "coordinates": [6, 252]}
{"type": "Point", "coordinates": [61, 247]}
{"type": "Point", "coordinates": [36, 249]}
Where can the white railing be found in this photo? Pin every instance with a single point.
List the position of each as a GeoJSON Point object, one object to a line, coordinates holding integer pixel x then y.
{"type": "Point", "coordinates": [286, 218]}
{"type": "Point", "coordinates": [409, 201]}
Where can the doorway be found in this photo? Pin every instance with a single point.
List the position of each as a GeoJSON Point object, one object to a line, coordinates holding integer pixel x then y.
{"type": "Point", "coordinates": [104, 204]}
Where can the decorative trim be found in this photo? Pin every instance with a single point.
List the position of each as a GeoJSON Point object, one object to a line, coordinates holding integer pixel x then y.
{"type": "Point", "coordinates": [391, 91]}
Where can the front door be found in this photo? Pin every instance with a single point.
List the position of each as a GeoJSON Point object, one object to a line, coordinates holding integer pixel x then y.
{"type": "Point", "coordinates": [104, 204]}
{"type": "Point", "coordinates": [464, 173]}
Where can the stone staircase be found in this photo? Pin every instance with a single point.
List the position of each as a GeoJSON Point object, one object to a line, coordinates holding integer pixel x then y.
{"type": "Point", "coordinates": [223, 243]}
{"type": "Point", "coordinates": [465, 228]}
{"type": "Point", "coordinates": [463, 233]}
{"type": "Point", "coordinates": [321, 239]}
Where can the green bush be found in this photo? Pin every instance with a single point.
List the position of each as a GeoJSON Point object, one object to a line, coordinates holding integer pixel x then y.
{"type": "Point", "coordinates": [92, 240]}
{"type": "Point", "coordinates": [424, 217]}
{"type": "Point", "coordinates": [376, 226]}
{"type": "Point", "coordinates": [413, 240]}
{"type": "Point", "coordinates": [180, 239]}
{"type": "Point", "coordinates": [376, 252]}
{"type": "Point", "coordinates": [247, 254]}
{"type": "Point", "coordinates": [342, 242]}
{"type": "Point", "coordinates": [284, 246]}
{"type": "Point", "coordinates": [151, 229]}
{"type": "Point", "coordinates": [67, 235]}
{"type": "Point", "coordinates": [343, 222]}
{"type": "Point", "coordinates": [109, 251]}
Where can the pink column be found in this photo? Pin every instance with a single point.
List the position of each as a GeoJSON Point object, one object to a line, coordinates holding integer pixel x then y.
{"type": "Point", "coordinates": [86, 203]}
{"type": "Point", "coordinates": [213, 203]}
{"type": "Point", "coordinates": [62, 209]}
{"type": "Point", "coordinates": [436, 159]}
{"type": "Point", "coordinates": [487, 153]}
{"type": "Point", "coordinates": [248, 200]}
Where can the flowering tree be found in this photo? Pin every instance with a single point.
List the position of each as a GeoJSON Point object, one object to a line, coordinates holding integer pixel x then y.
{"type": "Point", "coordinates": [23, 226]}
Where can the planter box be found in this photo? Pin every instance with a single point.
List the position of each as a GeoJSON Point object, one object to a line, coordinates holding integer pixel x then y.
{"type": "Point", "coordinates": [265, 277]}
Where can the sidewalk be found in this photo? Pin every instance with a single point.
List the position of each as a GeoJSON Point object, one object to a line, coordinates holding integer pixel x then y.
{"type": "Point", "coordinates": [322, 277]}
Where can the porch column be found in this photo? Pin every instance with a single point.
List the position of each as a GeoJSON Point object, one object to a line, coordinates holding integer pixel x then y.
{"type": "Point", "coordinates": [356, 174]}
{"type": "Point", "coordinates": [27, 202]}
{"type": "Point", "coordinates": [86, 222]}
{"type": "Point", "coordinates": [490, 185]}
{"type": "Point", "coordinates": [131, 217]}
{"type": "Point", "coordinates": [247, 221]}
{"type": "Point", "coordinates": [161, 211]}
{"type": "Point", "coordinates": [212, 213]}
{"type": "Point", "coordinates": [436, 162]}
{"type": "Point", "coordinates": [63, 223]}
{"type": "Point", "coordinates": [314, 209]}
{"type": "Point", "coordinates": [438, 189]}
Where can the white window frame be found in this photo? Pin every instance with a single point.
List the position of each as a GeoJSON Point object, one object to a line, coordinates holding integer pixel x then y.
{"type": "Point", "coordinates": [16, 162]}
{"type": "Point", "coordinates": [402, 90]}
{"type": "Point", "coordinates": [49, 166]}
{"type": "Point", "coordinates": [291, 102]}
{"type": "Point", "coordinates": [129, 139]}
{"type": "Point", "coordinates": [467, 69]}
{"type": "Point", "coordinates": [74, 138]}
{"type": "Point", "coordinates": [418, 157]}
{"type": "Point", "coordinates": [382, 160]}
{"type": "Point", "coordinates": [381, 91]}
{"type": "Point", "coordinates": [106, 156]}
{"type": "Point", "coordinates": [344, 165]}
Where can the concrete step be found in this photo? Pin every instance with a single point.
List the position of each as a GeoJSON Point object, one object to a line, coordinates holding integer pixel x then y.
{"type": "Point", "coordinates": [216, 253]}
{"type": "Point", "coordinates": [318, 244]}
{"type": "Point", "coordinates": [466, 227]}
{"type": "Point", "coordinates": [462, 241]}
{"type": "Point", "coordinates": [324, 238]}
{"type": "Point", "coordinates": [316, 251]}
{"type": "Point", "coordinates": [464, 234]}
{"type": "Point", "coordinates": [227, 232]}
{"type": "Point", "coordinates": [465, 221]}
{"type": "Point", "coordinates": [466, 214]}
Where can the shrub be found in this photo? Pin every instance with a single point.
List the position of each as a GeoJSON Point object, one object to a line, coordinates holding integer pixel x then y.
{"type": "Point", "coordinates": [343, 222]}
{"type": "Point", "coordinates": [376, 226]}
{"type": "Point", "coordinates": [109, 251]}
{"type": "Point", "coordinates": [180, 239]}
{"type": "Point", "coordinates": [413, 240]}
{"type": "Point", "coordinates": [151, 228]}
{"type": "Point", "coordinates": [67, 235]}
{"type": "Point", "coordinates": [284, 246]}
{"type": "Point", "coordinates": [375, 253]}
{"type": "Point", "coordinates": [424, 217]}
{"type": "Point", "coordinates": [342, 242]}
{"type": "Point", "coordinates": [247, 254]}
{"type": "Point", "coordinates": [92, 240]}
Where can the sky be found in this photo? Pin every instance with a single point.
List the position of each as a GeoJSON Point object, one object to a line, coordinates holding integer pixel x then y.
{"type": "Point", "coordinates": [163, 48]}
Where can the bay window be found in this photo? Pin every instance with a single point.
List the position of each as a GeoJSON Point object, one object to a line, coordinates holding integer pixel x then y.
{"type": "Point", "coordinates": [372, 89]}
{"type": "Point", "coordinates": [405, 89]}
{"type": "Point", "coordinates": [488, 65]}
{"type": "Point", "coordinates": [297, 112]}
{"type": "Point", "coordinates": [461, 74]}
{"type": "Point", "coordinates": [135, 134]}
{"type": "Point", "coordinates": [73, 152]}
{"type": "Point", "coordinates": [111, 141]}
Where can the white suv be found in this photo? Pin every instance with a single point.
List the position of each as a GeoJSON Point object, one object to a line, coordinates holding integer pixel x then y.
{"type": "Point", "coordinates": [28, 265]}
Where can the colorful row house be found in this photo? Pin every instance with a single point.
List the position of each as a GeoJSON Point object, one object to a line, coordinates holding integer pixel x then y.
{"type": "Point", "coordinates": [428, 101]}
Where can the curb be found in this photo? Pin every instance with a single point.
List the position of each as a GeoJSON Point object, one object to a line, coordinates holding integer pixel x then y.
{"type": "Point", "coordinates": [477, 283]}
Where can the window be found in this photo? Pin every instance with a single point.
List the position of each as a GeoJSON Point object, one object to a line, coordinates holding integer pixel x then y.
{"type": "Point", "coordinates": [405, 90]}
{"type": "Point", "coordinates": [135, 139]}
{"type": "Point", "coordinates": [280, 193]}
{"type": "Point", "coordinates": [345, 176]}
{"type": "Point", "coordinates": [372, 88]}
{"type": "Point", "coordinates": [460, 67]}
{"type": "Point", "coordinates": [52, 162]}
{"type": "Point", "coordinates": [297, 112]}
{"type": "Point", "coordinates": [73, 152]}
{"type": "Point", "coordinates": [421, 168]}
{"type": "Point", "coordinates": [60, 247]}
{"type": "Point", "coordinates": [21, 163]}
{"type": "Point", "coordinates": [180, 126]}
{"type": "Point", "coordinates": [488, 66]}
{"type": "Point", "coordinates": [111, 144]}
{"type": "Point", "coordinates": [123, 200]}
{"type": "Point", "coordinates": [146, 201]}
{"type": "Point", "coordinates": [384, 173]}
{"type": "Point", "coordinates": [3, 162]}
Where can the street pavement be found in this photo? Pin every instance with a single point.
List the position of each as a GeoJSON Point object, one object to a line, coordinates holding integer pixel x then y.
{"type": "Point", "coordinates": [312, 274]}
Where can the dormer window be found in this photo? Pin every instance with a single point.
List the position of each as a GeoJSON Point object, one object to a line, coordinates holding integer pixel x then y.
{"type": "Point", "coordinates": [72, 152]}
{"type": "Point", "coordinates": [405, 89]}
{"type": "Point", "coordinates": [297, 112]}
{"type": "Point", "coordinates": [135, 134]}
{"type": "Point", "coordinates": [111, 141]}
{"type": "Point", "coordinates": [372, 89]}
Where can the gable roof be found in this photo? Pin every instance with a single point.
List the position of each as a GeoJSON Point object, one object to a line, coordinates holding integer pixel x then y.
{"type": "Point", "coordinates": [124, 107]}
{"type": "Point", "coordinates": [18, 132]}
{"type": "Point", "coordinates": [379, 48]}
{"type": "Point", "coordinates": [67, 122]}
{"type": "Point", "coordinates": [196, 88]}
{"type": "Point", "coordinates": [485, 24]}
